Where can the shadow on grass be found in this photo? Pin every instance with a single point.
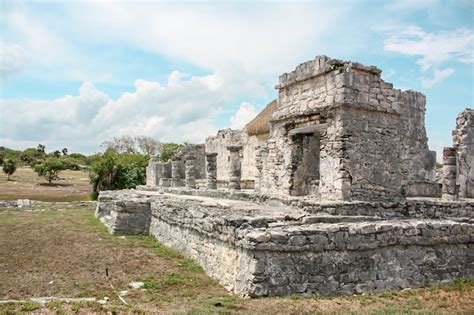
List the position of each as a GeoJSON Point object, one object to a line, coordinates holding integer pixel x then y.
{"type": "Point", "coordinates": [54, 185]}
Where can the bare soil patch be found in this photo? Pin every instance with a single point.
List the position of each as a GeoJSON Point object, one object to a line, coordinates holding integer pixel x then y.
{"type": "Point", "coordinates": [25, 184]}
{"type": "Point", "coordinates": [61, 250]}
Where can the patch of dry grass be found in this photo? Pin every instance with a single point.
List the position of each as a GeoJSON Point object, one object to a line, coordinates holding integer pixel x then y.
{"type": "Point", "coordinates": [25, 184]}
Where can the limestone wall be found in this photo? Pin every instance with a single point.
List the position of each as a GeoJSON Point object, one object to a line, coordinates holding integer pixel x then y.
{"type": "Point", "coordinates": [219, 143]}
{"type": "Point", "coordinates": [260, 250]}
{"type": "Point", "coordinates": [370, 154]}
{"type": "Point", "coordinates": [375, 141]}
{"type": "Point", "coordinates": [463, 139]}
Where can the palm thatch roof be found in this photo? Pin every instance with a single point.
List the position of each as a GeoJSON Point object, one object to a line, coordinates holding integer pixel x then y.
{"type": "Point", "coordinates": [261, 123]}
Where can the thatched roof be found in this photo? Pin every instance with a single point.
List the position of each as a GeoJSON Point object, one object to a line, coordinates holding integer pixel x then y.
{"type": "Point", "coordinates": [261, 123]}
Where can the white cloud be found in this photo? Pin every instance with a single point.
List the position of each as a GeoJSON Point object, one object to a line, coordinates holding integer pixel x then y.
{"type": "Point", "coordinates": [181, 110]}
{"type": "Point", "coordinates": [268, 38]}
{"type": "Point", "coordinates": [433, 48]}
{"type": "Point", "coordinates": [244, 114]}
{"type": "Point", "coordinates": [12, 59]}
{"type": "Point", "coordinates": [439, 75]}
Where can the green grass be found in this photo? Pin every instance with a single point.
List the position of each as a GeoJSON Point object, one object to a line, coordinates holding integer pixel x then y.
{"type": "Point", "coordinates": [19, 308]}
{"type": "Point", "coordinates": [173, 279]}
{"type": "Point", "coordinates": [82, 284]}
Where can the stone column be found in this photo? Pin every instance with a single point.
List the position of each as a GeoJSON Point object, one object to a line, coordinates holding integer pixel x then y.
{"type": "Point", "coordinates": [449, 190]}
{"type": "Point", "coordinates": [235, 166]}
{"type": "Point", "coordinates": [190, 172]}
{"type": "Point", "coordinates": [211, 167]}
{"type": "Point", "coordinates": [175, 178]}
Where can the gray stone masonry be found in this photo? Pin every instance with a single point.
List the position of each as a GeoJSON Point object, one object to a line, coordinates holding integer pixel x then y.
{"type": "Point", "coordinates": [176, 172]}
{"type": "Point", "coordinates": [235, 166]}
{"type": "Point", "coordinates": [372, 139]}
{"type": "Point", "coordinates": [153, 172]}
{"type": "Point", "coordinates": [190, 172]}
{"type": "Point", "coordinates": [463, 140]}
{"type": "Point", "coordinates": [211, 167]}
{"type": "Point", "coordinates": [449, 189]}
{"type": "Point", "coordinates": [270, 248]}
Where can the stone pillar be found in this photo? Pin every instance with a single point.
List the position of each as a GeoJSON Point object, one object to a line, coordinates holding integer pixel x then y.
{"type": "Point", "coordinates": [211, 167]}
{"type": "Point", "coordinates": [449, 190]}
{"type": "Point", "coordinates": [235, 166]}
{"type": "Point", "coordinates": [175, 178]}
{"type": "Point", "coordinates": [190, 172]}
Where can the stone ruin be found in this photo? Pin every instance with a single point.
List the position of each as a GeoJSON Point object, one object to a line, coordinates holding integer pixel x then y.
{"type": "Point", "coordinates": [330, 190]}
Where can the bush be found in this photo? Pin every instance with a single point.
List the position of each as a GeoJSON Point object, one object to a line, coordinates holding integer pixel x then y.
{"type": "Point", "coordinates": [118, 171]}
{"type": "Point", "coordinates": [71, 164]}
{"type": "Point", "coordinates": [9, 167]}
{"type": "Point", "coordinates": [50, 168]}
{"type": "Point", "coordinates": [169, 151]}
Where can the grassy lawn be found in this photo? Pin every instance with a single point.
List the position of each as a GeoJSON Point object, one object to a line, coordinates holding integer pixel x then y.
{"type": "Point", "coordinates": [25, 184]}
{"type": "Point", "coordinates": [61, 250]}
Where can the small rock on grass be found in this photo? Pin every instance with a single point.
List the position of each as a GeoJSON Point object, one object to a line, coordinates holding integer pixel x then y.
{"type": "Point", "coordinates": [136, 284]}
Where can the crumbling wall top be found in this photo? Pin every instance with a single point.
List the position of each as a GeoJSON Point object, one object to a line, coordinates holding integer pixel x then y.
{"type": "Point", "coordinates": [318, 66]}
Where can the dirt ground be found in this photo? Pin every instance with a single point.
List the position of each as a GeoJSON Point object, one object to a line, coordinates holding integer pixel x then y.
{"type": "Point", "coordinates": [25, 184]}
{"type": "Point", "coordinates": [61, 250]}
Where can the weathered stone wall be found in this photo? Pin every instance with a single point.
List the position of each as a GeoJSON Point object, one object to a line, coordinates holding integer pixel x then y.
{"type": "Point", "coordinates": [260, 250]}
{"type": "Point", "coordinates": [154, 172]}
{"type": "Point", "coordinates": [418, 162]}
{"type": "Point", "coordinates": [219, 143]}
{"type": "Point", "coordinates": [463, 139]}
{"type": "Point", "coordinates": [124, 212]}
{"type": "Point", "coordinates": [249, 151]}
{"type": "Point", "coordinates": [199, 154]}
{"type": "Point", "coordinates": [375, 141]}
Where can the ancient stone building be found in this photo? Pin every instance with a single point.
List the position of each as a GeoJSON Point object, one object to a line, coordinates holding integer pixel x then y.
{"type": "Point", "coordinates": [340, 132]}
{"type": "Point", "coordinates": [251, 137]}
{"type": "Point", "coordinates": [319, 194]}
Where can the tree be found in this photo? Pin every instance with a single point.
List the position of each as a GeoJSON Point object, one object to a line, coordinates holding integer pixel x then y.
{"type": "Point", "coordinates": [64, 151]}
{"type": "Point", "coordinates": [1, 159]}
{"type": "Point", "coordinates": [134, 145]}
{"type": "Point", "coordinates": [41, 148]}
{"type": "Point", "coordinates": [56, 153]}
{"type": "Point", "coordinates": [9, 167]}
{"type": "Point", "coordinates": [50, 168]}
{"type": "Point", "coordinates": [148, 145]}
{"type": "Point", "coordinates": [118, 171]}
{"type": "Point", "coordinates": [169, 151]}
{"type": "Point", "coordinates": [124, 144]}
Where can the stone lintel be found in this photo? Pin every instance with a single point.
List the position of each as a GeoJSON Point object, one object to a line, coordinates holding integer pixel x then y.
{"type": "Point", "coordinates": [234, 148]}
{"type": "Point", "coordinates": [308, 129]}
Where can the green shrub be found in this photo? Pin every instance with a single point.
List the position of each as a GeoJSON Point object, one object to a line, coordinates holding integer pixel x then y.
{"type": "Point", "coordinates": [9, 167]}
{"type": "Point", "coordinates": [70, 163]}
{"type": "Point", "coordinates": [50, 168]}
{"type": "Point", "coordinates": [118, 171]}
{"type": "Point", "coordinates": [169, 151]}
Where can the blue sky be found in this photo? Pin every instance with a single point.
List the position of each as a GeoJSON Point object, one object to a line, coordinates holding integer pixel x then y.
{"type": "Point", "coordinates": [77, 73]}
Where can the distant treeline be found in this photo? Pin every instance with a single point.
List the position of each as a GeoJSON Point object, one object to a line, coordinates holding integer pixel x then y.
{"type": "Point", "coordinates": [121, 166]}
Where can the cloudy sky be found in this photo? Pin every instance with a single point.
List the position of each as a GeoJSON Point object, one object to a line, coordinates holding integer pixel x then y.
{"type": "Point", "coordinates": [76, 73]}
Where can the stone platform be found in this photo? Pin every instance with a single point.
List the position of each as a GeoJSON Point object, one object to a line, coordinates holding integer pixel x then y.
{"type": "Point", "coordinates": [270, 246]}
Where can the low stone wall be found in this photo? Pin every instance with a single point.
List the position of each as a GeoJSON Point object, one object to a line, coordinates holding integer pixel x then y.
{"type": "Point", "coordinates": [266, 249]}
{"type": "Point", "coordinates": [124, 213]}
